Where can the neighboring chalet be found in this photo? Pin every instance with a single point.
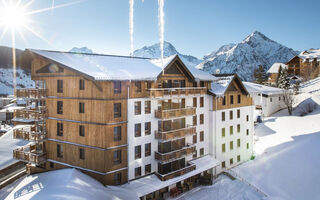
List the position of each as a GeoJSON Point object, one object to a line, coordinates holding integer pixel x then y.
{"type": "Point", "coordinates": [120, 119]}
{"type": "Point", "coordinates": [274, 72]}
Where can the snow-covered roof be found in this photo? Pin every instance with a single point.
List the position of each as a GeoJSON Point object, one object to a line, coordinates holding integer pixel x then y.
{"type": "Point", "coordinates": [220, 85]}
{"type": "Point", "coordinates": [151, 183]}
{"type": "Point", "coordinates": [310, 54]}
{"type": "Point", "coordinates": [275, 67]}
{"type": "Point", "coordinates": [66, 184]}
{"type": "Point", "coordinates": [254, 88]}
{"type": "Point", "coordinates": [110, 67]}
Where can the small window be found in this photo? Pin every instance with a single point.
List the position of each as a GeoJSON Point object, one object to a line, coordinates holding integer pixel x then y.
{"type": "Point", "coordinates": [231, 114]}
{"type": "Point", "coordinates": [194, 120]}
{"type": "Point", "coordinates": [147, 85]}
{"type": "Point", "coordinates": [147, 169]}
{"type": "Point", "coordinates": [201, 101]}
{"type": "Point", "coordinates": [59, 86]}
{"type": "Point", "coordinates": [201, 151]}
{"type": "Point", "coordinates": [238, 128]}
{"type": "Point", "coordinates": [238, 143]}
{"type": "Point", "coordinates": [279, 98]}
{"type": "Point", "coordinates": [59, 151]}
{"type": "Point", "coordinates": [223, 164]}
{"type": "Point", "coordinates": [231, 145]}
{"type": "Point", "coordinates": [247, 131]}
{"type": "Point", "coordinates": [147, 107]}
{"type": "Point", "coordinates": [117, 157]}
{"type": "Point", "coordinates": [116, 87]}
{"type": "Point", "coordinates": [60, 107]}
{"type": "Point", "coordinates": [247, 118]}
{"type": "Point", "coordinates": [223, 116]}
{"type": "Point", "coordinates": [201, 83]}
{"type": "Point", "coordinates": [270, 99]}
{"type": "Point", "coordinates": [238, 158]}
{"type": "Point", "coordinates": [194, 102]}
{"type": "Point", "coordinates": [117, 178]}
{"type": "Point", "coordinates": [224, 101]}
{"type": "Point", "coordinates": [51, 165]}
{"type": "Point", "coordinates": [239, 99]}
{"type": "Point", "coordinates": [201, 118]}
{"type": "Point", "coordinates": [223, 148]}
{"type": "Point", "coordinates": [194, 155]}
{"type": "Point", "coordinates": [238, 113]}
{"type": "Point", "coordinates": [201, 136]}
{"type": "Point", "coordinates": [231, 99]}
{"type": "Point", "coordinates": [137, 172]}
{"type": "Point", "coordinates": [194, 139]}
{"type": "Point", "coordinates": [137, 108]}
{"type": "Point", "coordinates": [117, 110]}
{"type": "Point", "coordinates": [59, 129]}
{"type": "Point", "coordinates": [137, 152]}
{"type": "Point", "coordinates": [231, 161]}
{"type": "Point", "coordinates": [147, 149]}
{"type": "Point", "coordinates": [137, 130]}
{"type": "Point", "coordinates": [81, 107]}
{"type": "Point", "coordinates": [247, 145]}
{"type": "Point", "coordinates": [81, 130]}
{"type": "Point", "coordinates": [81, 153]}
{"type": "Point", "coordinates": [137, 87]}
{"type": "Point", "coordinates": [147, 128]}
{"type": "Point", "coordinates": [223, 132]}
{"type": "Point", "coordinates": [81, 84]}
{"type": "Point", "coordinates": [231, 130]}
{"type": "Point", "coordinates": [117, 133]}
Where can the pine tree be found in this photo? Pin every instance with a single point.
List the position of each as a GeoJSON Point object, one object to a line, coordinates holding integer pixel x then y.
{"type": "Point", "coordinates": [260, 75]}
{"type": "Point", "coordinates": [284, 81]}
{"type": "Point", "coordinates": [279, 75]}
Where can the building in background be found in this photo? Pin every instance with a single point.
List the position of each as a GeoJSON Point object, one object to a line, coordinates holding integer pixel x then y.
{"type": "Point", "coordinates": [274, 72]}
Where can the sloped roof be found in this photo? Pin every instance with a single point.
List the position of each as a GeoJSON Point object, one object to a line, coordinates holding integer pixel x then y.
{"type": "Point", "coordinates": [310, 54]}
{"type": "Point", "coordinates": [275, 67]}
{"type": "Point", "coordinates": [263, 89]}
{"type": "Point", "coordinates": [110, 67]}
{"type": "Point", "coordinates": [220, 85]}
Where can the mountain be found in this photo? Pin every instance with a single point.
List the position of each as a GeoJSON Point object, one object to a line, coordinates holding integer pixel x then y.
{"type": "Point", "coordinates": [81, 50]}
{"type": "Point", "coordinates": [154, 52]}
{"type": "Point", "coordinates": [244, 57]}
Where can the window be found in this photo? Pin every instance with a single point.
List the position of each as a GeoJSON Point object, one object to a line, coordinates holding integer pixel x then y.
{"type": "Point", "coordinates": [194, 102]}
{"type": "Point", "coordinates": [224, 101]}
{"type": "Point", "coordinates": [147, 149]}
{"type": "Point", "coordinates": [81, 130]}
{"type": "Point", "coordinates": [194, 120]}
{"type": "Point", "coordinates": [201, 118]}
{"type": "Point", "coordinates": [201, 101]}
{"type": "Point", "coordinates": [247, 145]}
{"type": "Point", "coordinates": [59, 151]}
{"type": "Point", "coordinates": [81, 84]}
{"type": "Point", "coordinates": [231, 99]}
{"type": "Point", "coordinates": [201, 83]}
{"type": "Point", "coordinates": [59, 129]}
{"type": "Point", "coordinates": [147, 128]}
{"type": "Point", "coordinates": [231, 161]}
{"type": "Point", "coordinates": [117, 178]}
{"type": "Point", "coordinates": [231, 145]}
{"type": "Point", "coordinates": [81, 107]}
{"type": "Point", "coordinates": [137, 108]}
{"type": "Point", "coordinates": [137, 87]}
{"type": "Point", "coordinates": [239, 98]}
{"type": "Point", "coordinates": [223, 164]}
{"type": "Point", "coordinates": [231, 114]}
{"type": "Point", "coordinates": [147, 107]}
{"type": "Point", "coordinates": [116, 87]}
{"type": "Point", "coordinates": [238, 143]}
{"type": "Point", "coordinates": [59, 86]}
{"type": "Point", "coordinates": [137, 172]}
{"type": "Point", "coordinates": [247, 118]}
{"type": "Point", "coordinates": [194, 155]}
{"type": "Point", "coordinates": [60, 107]}
{"type": "Point", "coordinates": [117, 133]}
{"type": "Point", "coordinates": [270, 99]}
{"type": "Point", "coordinates": [51, 165]}
{"type": "Point", "coordinates": [201, 136]}
{"type": "Point", "coordinates": [147, 169]}
{"type": "Point", "coordinates": [117, 157]}
{"type": "Point", "coordinates": [231, 130]}
{"type": "Point", "coordinates": [247, 131]}
{"type": "Point", "coordinates": [201, 151]}
{"type": "Point", "coordinates": [195, 138]}
{"type": "Point", "coordinates": [223, 132]}
{"type": "Point", "coordinates": [223, 148]}
{"type": "Point", "coordinates": [238, 128]}
{"type": "Point", "coordinates": [238, 113]}
{"type": "Point", "coordinates": [147, 84]}
{"type": "Point", "coordinates": [223, 116]}
{"type": "Point", "coordinates": [279, 98]}
{"type": "Point", "coordinates": [137, 130]}
{"type": "Point", "coordinates": [81, 153]}
{"type": "Point", "coordinates": [137, 152]}
{"type": "Point", "coordinates": [238, 158]}
{"type": "Point", "coordinates": [117, 110]}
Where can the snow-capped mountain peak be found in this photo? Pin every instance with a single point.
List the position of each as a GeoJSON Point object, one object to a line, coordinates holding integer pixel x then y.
{"type": "Point", "coordinates": [81, 50]}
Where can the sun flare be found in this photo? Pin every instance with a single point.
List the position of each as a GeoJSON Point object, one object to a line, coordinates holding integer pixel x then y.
{"type": "Point", "coordinates": [13, 16]}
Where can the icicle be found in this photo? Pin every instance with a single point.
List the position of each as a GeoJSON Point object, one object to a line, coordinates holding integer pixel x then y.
{"type": "Point", "coordinates": [131, 3]}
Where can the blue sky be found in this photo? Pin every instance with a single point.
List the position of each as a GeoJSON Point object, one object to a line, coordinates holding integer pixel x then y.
{"type": "Point", "coordinates": [194, 27]}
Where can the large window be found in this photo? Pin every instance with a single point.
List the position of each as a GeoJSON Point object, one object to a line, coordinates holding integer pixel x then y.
{"type": "Point", "coordinates": [201, 101]}
{"type": "Point", "coordinates": [117, 178]}
{"type": "Point", "coordinates": [194, 139]}
{"type": "Point", "coordinates": [81, 107]}
{"type": "Point", "coordinates": [147, 149]}
{"type": "Point", "coordinates": [137, 172]}
{"type": "Point", "coordinates": [117, 133]}
{"type": "Point", "coordinates": [238, 128]}
{"type": "Point", "coordinates": [238, 158]}
{"type": "Point", "coordinates": [194, 102]}
{"type": "Point", "coordinates": [231, 114]}
{"type": "Point", "coordinates": [231, 130]}
{"type": "Point", "coordinates": [223, 148]}
{"type": "Point", "coordinates": [201, 136]}
{"type": "Point", "coordinates": [147, 128]}
{"type": "Point", "coordinates": [81, 84]}
{"type": "Point", "coordinates": [201, 118]}
{"type": "Point", "coordinates": [231, 145]}
{"type": "Point", "coordinates": [117, 157]}
{"type": "Point", "coordinates": [116, 87]}
{"type": "Point", "coordinates": [59, 151]}
{"type": "Point", "coordinates": [59, 86]}
{"type": "Point", "coordinates": [201, 151]}
{"type": "Point", "coordinates": [81, 154]}
{"type": "Point", "coordinates": [137, 152]}
{"type": "Point", "coordinates": [147, 169]}
{"type": "Point", "coordinates": [231, 99]}
{"type": "Point", "coordinates": [231, 161]}
{"type": "Point", "coordinates": [238, 113]}
{"type": "Point", "coordinates": [60, 107]}
{"type": "Point", "coordinates": [137, 88]}
{"type": "Point", "coordinates": [223, 116]}
{"type": "Point", "coordinates": [137, 130]}
{"type": "Point", "coordinates": [239, 98]}
{"type": "Point", "coordinates": [81, 130]}
{"type": "Point", "coordinates": [223, 132]}
{"type": "Point", "coordinates": [224, 101]}
{"type": "Point", "coordinates": [147, 107]}
{"type": "Point", "coordinates": [59, 129]}
{"type": "Point", "coordinates": [137, 108]}
{"type": "Point", "coordinates": [238, 143]}
{"type": "Point", "coordinates": [194, 120]}
{"type": "Point", "coordinates": [117, 110]}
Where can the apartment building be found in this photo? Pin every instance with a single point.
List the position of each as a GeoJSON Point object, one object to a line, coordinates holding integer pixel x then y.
{"type": "Point", "coordinates": [145, 123]}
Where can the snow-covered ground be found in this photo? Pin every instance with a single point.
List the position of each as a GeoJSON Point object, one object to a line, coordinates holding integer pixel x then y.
{"type": "Point", "coordinates": [6, 80]}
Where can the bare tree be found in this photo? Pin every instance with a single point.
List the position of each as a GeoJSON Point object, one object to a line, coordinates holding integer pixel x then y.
{"type": "Point", "coordinates": [288, 100]}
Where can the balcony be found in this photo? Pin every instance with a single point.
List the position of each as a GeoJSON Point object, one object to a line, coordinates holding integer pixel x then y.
{"type": "Point", "coordinates": [31, 93]}
{"type": "Point", "coordinates": [180, 112]}
{"type": "Point", "coordinates": [30, 135]}
{"type": "Point", "coordinates": [178, 133]}
{"type": "Point", "coordinates": [158, 92]}
{"type": "Point", "coordinates": [173, 155]}
{"type": "Point", "coordinates": [31, 114]}
{"type": "Point", "coordinates": [182, 171]}
{"type": "Point", "coordinates": [30, 155]}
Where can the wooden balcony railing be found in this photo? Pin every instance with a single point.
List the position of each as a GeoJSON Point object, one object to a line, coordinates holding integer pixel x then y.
{"type": "Point", "coordinates": [166, 114]}
{"type": "Point", "coordinates": [29, 135]}
{"type": "Point", "coordinates": [182, 171]}
{"type": "Point", "coordinates": [31, 93]}
{"type": "Point", "coordinates": [29, 154]}
{"type": "Point", "coordinates": [178, 133]}
{"type": "Point", "coordinates": [156, 92]}
{"type": "Point", "coordinates": [173, 155]}
{"type": "Point", "coordinates": [35, 114]}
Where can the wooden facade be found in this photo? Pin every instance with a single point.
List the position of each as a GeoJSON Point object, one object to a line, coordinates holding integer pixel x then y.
{"type": "Point", "coordinates": [306, 68]}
